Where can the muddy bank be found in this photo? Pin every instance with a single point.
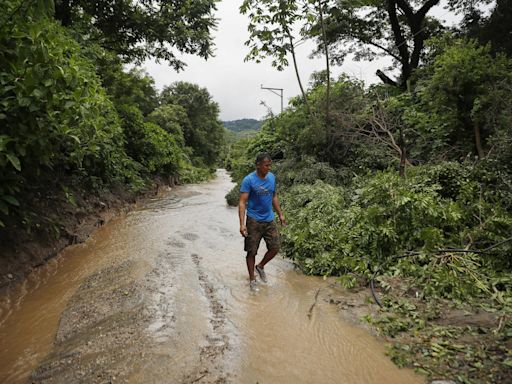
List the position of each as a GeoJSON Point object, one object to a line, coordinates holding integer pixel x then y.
{"type": "Point", "coordinates": [99, 335]}
{"type": "Point", "coordinates": [444, 339]}
{"type": "Point", "coordinates": [58, 219]}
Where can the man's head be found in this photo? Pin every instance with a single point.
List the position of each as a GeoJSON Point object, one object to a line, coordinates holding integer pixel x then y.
{"type": "Point", "coordinates": [263, 164]}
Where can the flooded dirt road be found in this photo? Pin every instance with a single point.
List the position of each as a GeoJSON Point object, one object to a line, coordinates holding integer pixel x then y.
{"type": "Point", "coordinates": [161, 296]}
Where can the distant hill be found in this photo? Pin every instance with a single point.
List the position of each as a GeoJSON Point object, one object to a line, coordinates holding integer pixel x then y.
{"type": "Point", "coordinates": [243, 125]}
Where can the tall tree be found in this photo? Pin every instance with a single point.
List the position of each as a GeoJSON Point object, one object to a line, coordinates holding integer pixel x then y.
{"type": "Point", "coordinates": [468, 94]}
{"type": "Point", "coordinates": [133, 87]}
{"type": "Point", "coordinates": [394, 28]}
{"type": "Point", "coordinates": [368, 28]}
{"type": "Point", "coordinates": [136, 30]}
{"type": "Point", "coordinates": [204, 132]}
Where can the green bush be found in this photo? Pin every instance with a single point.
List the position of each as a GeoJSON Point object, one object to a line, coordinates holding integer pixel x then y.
{"type": "Point", "coordinates": [335, 231]}
{"type": "Point", "coordinates": [189, 173]}
{"type": "Point", "coordinates": [160, 153]}
{"type": "Point", "coordinates": [305, 171]}
{"type": "Point", "coordinates": [54, 113]}
{"type": "Point", "coordinates": [233, 196]}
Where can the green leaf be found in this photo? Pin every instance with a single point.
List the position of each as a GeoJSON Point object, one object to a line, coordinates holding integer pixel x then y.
{"type": "Point", "coordinates": [4, 139]}
{"type": "Point", "coordinates": [37, 93]}
{"type": "Point", "coordinates": [508, 362]}
{"type": "Point", "coordinates": [14, 161]}
{"type": "Point", "coordinates": [23, 101]}
{"type": "Point", "coordinates": [76, 138]}
{"type": "Point", "coordinates": [11, 200]}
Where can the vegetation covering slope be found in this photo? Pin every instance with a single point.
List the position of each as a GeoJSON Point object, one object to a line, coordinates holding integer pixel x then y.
{"type": "Point", "coordinates": [75, 123]}
{"type": "Point", "coordinates": [406, 184]}
{"type": "Point", "coordinates": [242, 125]}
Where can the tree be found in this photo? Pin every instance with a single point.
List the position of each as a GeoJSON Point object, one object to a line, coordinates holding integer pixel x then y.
{"type": "Point", "coordinates": [384, 126]}
{"type": "Point", "coordinates": [134, 87]}
{"type": "Point", "coordinates": [136, 30]}
{"type": "Point", "coordinates": [203, 132]}
{"type": "Point", "coordinates": [273, 28]}
{"type": "Point", "coordinates": [56, 120]}
{"type": "Point", "coordinates": [172, 118]}
{"type": "Point", "coordinates": [467, 94]}
{"type": "Point", "coordinates": [327, 60]}
{"type": "Point", "coordinates": [385, 27]}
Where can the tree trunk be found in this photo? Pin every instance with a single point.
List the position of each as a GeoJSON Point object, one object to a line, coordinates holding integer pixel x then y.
{"type": "Point", "coordinates": [400, 42]}
{"type": "Point", "coordinates": [327, 65]}
{"type": "Point", "coordinates": [292, 51]}
{"type": "Point", "coordinates": [478, 140]}
{"type": "Point", "coordinates": [414, 20]}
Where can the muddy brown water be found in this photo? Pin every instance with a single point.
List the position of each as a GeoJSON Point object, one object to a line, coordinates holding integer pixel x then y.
{"type": "Point", "coordinates": [161, 296]}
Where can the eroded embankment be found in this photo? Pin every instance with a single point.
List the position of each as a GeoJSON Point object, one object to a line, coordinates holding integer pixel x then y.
{"type": "Point", "coordinates": [57, 218]}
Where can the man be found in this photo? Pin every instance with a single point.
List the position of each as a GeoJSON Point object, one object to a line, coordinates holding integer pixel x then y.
{"type": "Point", "coordinates": [257, 197]}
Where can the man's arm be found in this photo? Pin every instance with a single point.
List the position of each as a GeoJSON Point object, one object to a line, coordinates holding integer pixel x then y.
{"type": "Point", "coordinates": [277, 208]}
{"type": "Point", "coordinates": [242, 206]}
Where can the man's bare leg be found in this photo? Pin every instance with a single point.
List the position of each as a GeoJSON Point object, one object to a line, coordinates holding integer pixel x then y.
{"type": "Point", "coordinates": [251, 260]}
{"type": "Point", "coordinates": [268, 256]}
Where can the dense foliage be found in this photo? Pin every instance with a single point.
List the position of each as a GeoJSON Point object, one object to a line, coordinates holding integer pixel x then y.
{"type": "Point", "coordinates": [410, 186]}
{"type": "Point", "coordinates": [136, 30]}
{"type": "Point", "coordinates": [72, 117]}
{"type": "Point", "coordinates": [202, 130]}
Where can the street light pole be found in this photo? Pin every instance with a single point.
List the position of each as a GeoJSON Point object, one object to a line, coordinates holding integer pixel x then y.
{"type": "Point", "coordinates": [275, 93]}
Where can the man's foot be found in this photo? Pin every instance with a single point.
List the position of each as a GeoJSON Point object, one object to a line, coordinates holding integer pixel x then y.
{"type": "Point", "coordinates": [261, 272]}
{"type": "Point", "coordinates": [253, 284]}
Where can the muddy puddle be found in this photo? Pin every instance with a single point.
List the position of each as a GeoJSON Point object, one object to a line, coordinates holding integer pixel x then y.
{"type": "Point", "coordinates": [161, 296]}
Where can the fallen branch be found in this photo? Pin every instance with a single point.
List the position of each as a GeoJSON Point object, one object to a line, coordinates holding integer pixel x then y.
{"type": "Point", "coordinates": [310, 312]}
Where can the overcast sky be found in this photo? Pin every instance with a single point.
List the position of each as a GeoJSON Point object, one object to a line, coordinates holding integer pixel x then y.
{"type": "Point", "coordinates": [235, 84]}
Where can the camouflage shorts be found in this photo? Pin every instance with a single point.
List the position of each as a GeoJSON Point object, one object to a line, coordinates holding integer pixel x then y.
{"type": "Point", "coordinates": [256, 230]}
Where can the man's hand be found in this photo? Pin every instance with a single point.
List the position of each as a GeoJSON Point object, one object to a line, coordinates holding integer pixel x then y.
{"type": "Point", "coordinates": [282, 220]}
{"type": "Point", "coordinates": [243, 230]}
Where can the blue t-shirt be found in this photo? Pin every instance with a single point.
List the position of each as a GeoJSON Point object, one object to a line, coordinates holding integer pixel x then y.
{"type": "Point", "coordinates": [261, 191]}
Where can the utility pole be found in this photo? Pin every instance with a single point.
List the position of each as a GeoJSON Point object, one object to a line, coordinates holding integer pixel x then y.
{"type": "Point", "coordinates": [273, 90]}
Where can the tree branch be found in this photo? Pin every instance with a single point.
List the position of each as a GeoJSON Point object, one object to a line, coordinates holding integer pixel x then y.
{"type": "Point", "coordinates": [389, 52]}
{"type": "Point", "coordinates": [400, 41]}
{"type": "Point", "coordinates": [426, 7]}
{"type": "Point", "coordinates": [406, 8]}
{"type": "Point", "coordinates": [385, 79]}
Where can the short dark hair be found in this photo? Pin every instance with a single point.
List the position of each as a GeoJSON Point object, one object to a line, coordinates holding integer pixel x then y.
{"type": "Point", "coordinates": [263, 156]}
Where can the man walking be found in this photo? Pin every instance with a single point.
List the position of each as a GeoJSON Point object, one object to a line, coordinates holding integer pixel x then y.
{"type": "Point", "coordinates": [257, 198]}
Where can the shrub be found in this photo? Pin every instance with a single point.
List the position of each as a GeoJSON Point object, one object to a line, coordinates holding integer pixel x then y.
{"type": "Point", "coordinates": [334, 230]}
{"type": "Point", "coordinates": [55, 115]}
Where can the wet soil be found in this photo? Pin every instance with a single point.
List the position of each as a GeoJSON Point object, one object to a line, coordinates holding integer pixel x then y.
{"type": "Point", "coordinates": [57, 220]}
